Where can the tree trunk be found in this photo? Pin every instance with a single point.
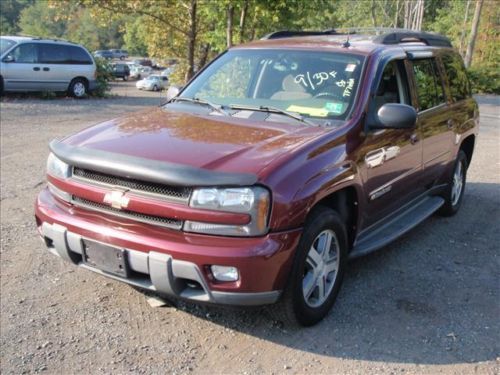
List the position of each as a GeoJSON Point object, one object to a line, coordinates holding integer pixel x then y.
{"type": "Point", "coordinates": [473, 33]}
{"type": "Point", "coordinates": [406, 24]}
{"type": "Point", "coordinates": [191, 40]}
{"type": "Point", "coordinates": [229, 29]}
{"type": "Point", "coordinates": [396, 16]}
{"type": "Point", "coordinates": [204, 55]}
{"type": "Point", "coordinates": [462, 35]}
{"type": "Point", "coordinates": [374, 19]}
{"type": "Point", "coordinates": [243, 18]}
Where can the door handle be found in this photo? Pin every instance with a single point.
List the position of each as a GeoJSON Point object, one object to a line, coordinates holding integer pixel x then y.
{"type": "Point", "coordinates": [450, 123]}
{"type": "Point", "coordinates": [414, 138]}
{"type": "Point", "coordinates": [36, 68]}
{"type": "Point", "coordinates": [46, 69]}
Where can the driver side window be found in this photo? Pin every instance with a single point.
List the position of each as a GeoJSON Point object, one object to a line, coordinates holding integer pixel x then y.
{"type": "Point", "coordinates": [25, 53]}
{"type": "Point", "coordinates": [393, 86]}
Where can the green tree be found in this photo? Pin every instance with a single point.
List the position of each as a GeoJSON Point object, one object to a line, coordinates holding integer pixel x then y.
{"type": "Point", "coordinates": [10, 11]}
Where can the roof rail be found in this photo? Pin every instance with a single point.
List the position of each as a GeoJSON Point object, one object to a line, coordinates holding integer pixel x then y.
{"type": "Point", "coordinates": [405, 36]}
{"type": "Point", "coordinates": [383, 35]}
{"type": "Point", "coordinates": [289, 33]}
{"type": "Point", "coordinates": [51, 39]}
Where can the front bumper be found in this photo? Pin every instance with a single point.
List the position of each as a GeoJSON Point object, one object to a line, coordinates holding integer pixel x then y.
{"type": "Point", "coordinates": [171, 262]}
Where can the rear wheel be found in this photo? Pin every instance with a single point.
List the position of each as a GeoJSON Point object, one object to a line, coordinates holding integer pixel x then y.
{"type": "Point", "coordinates": [456, 186]}
{"type": "Point", "coordinates": [317, 271]}
{"type": "Point", "coordinates": [78, 88]}
{"type": "Point", "coordinates": [155, 88]}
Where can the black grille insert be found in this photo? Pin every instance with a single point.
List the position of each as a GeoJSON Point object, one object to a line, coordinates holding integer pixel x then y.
{"type": "Point", "coordinates": [149, 219]}
{"type": "Point", "coordinates": [169, 192]}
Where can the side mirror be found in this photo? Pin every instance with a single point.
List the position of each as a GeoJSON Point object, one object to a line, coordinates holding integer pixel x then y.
{"type": "Point", "coordinates": [395, 116]}
{"type": "Point", "coordinates": [8, 59]}
{"type": "Point", "coordinates": [172, 92]}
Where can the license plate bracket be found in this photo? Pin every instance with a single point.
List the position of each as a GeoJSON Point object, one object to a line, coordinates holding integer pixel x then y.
{"type": "Point", "coordinates": [106, 258]}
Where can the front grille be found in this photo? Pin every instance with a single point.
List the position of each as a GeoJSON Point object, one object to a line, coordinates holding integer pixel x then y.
{"type": "Point", "coordinates": [177, 193]}
{"type": "Point", "coordinates": [148, 219]}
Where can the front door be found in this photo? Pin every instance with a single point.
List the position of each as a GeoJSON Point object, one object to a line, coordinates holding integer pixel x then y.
{"type": "Point", "coordinates": [21, 72]}
{"type": "Point", "coordinates": [392, 158]}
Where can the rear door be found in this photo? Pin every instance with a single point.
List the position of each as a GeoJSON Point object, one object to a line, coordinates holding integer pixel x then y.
{"type": "Point", "coordinates": [23, 73]}
{"type": "Point", "coordinates": [434, 118]}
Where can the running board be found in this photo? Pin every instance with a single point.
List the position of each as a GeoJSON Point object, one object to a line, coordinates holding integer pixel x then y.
{"type": "Point", "coordinates": [380, 235]}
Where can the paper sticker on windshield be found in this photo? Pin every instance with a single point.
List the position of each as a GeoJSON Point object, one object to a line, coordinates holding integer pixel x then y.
{"type": "Point", "coordinates": [334, 107]}
{"type": "Point", "coordinates": [317, 112]}
{"type": "Point", "coordinates": [350, 67]}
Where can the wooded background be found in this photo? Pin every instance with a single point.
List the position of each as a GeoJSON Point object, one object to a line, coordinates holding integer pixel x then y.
{"type": "Point", "coordinates": [195, 31]}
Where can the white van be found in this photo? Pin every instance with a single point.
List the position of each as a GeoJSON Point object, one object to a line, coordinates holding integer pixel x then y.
{"type": "Point", "coordinates": [34, 64]}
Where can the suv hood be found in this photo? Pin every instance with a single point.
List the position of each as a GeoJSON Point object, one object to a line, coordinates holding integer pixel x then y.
{"type": "Point", "coordinates": [211, 142]}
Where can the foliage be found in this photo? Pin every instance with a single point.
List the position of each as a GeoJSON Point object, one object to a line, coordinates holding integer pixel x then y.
{"type": "Point", "coordinates": [103, 77]}
{"type": "Point", "coordinates": [10, 10]}
{"type": "Point", "coordinates": [195, 31]}
{"type": "Point", "coordinates": [485, 80]}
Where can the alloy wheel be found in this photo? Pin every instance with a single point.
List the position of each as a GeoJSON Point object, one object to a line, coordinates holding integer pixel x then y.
{"type": "Point", "coordinates": [321, 268]}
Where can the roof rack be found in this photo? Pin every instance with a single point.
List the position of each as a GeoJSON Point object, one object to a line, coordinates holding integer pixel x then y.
{"type": "Point", "coordinates": [289, 34]}
{"type": "Point", "coordinates": [41, 38]}
{"type": "Point", "coordinates": [383, 35]}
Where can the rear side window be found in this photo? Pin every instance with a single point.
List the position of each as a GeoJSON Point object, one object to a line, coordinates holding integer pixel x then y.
{"type": "Point", "coordinates": [429, 85]}
{"type": "Point", "coordinates": [79, 56]}
{"type": "Point", "coordinates": [457, 76]}
{"type": "Point", "coordinates": [63, 54]}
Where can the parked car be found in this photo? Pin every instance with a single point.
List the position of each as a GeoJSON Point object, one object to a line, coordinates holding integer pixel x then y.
{"type": "Point", "coordinates": [153, 82]}
{"type": "Point", "coordinates": [257, 188]}
{"type": "Point", "coordinates": [104, 54]}
{"type": "Point", "coordinates": [139, 71]}
{"type": "Point", "coordinates": [143, 62]}
{"type": "Point", "coordinates": [119, 53]}
{"type": "Point", "coordinates": [35, 64]}
{"type": "Point", "coordinates": [120, 71]}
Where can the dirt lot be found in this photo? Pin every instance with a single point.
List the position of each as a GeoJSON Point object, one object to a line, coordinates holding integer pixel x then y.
{"type": "Point", "coordinates": [428, 303]}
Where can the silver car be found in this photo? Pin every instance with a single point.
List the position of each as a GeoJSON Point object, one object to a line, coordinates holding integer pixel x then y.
{"type": "Point", "coordinates": [34, 64]}
{"type": "Point", "coordinates": [152, 83]}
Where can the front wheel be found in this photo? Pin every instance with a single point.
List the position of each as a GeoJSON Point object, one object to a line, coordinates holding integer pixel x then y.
{"type": "Point", "coordinates": [456, 186]}
{"type": "Point", "coordinates": [317, 271]}
{"type": "Point", "coordinates": [78, 88]}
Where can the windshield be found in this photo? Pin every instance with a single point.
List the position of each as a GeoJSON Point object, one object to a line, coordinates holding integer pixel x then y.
{"type": "Point", "coordinates": [5, 44]}
{"type": "Point", "coordinates": [313, 84]}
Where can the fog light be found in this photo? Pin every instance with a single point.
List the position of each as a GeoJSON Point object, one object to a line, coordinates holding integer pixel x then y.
{"type": "Point", "coordinates": [224, 273]}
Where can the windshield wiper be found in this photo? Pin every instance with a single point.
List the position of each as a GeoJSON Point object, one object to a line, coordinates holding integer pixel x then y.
{"type": "Point", "coordinates": [265, 108]}
{"type": "Point", "coordinates": [216, 107]}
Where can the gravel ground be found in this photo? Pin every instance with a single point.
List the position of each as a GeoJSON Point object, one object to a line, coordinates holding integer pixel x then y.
{"type": "Point", "coordinates": [429, 303]}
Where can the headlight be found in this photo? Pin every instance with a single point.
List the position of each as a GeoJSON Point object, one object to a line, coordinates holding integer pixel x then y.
{"type": "Point", "coordinates": [57, 168]}
{"type": "Point", "coordinates": [254, 201]}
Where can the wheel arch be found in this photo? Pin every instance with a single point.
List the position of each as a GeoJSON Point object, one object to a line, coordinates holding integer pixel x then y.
{"type": "Point", "coordinates": [345, 202]}
{"type": "Point", "coordinates": [84, 79]}
{"type": "Point", "coordinates": [467, 146]}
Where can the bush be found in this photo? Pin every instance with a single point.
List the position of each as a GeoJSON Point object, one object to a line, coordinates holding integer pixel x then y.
{"type": "Point", "coordinates": [484, 80]}
{"type": "Point", "coordinates": [103, 77]}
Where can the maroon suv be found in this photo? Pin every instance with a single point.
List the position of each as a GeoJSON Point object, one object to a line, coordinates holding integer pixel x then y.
{"type": "Point", "coordinates": [278, 162]}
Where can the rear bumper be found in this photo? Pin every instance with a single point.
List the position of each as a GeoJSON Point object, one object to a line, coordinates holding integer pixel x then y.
{"type": "Point", "coordinates": [172, 262]}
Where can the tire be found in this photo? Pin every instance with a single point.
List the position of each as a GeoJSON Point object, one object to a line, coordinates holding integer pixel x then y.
{"type": "Point", "coordinates": [456, 186]}
{"type": "Point", "coordinates": [122, 57]}
{"type": "Point", "coordinates": [125, 78]}
{"type": "Point", "coordinates": [78, 88]}
{"type": "Point", "coordinates": [294, 308]}
{"type": "Point", "coordinates": [155, 88]}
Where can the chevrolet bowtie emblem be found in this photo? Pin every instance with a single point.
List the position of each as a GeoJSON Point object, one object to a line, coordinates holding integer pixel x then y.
{"type": "Point", "coordinates": [116, 199]}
